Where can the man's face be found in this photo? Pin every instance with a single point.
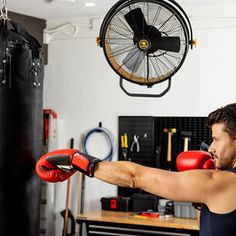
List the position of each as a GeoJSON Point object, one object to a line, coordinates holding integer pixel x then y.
{"type": "Point", "coordinates": [223, 147]}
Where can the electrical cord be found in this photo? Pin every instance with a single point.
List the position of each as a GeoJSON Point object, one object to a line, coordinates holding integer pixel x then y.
{"type": "Point", "coordinates": [107, 134]}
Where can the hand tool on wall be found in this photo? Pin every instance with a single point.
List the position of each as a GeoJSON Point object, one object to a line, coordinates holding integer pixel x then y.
{"type": "Point", "coordinates": [170, 133]}
{"type": "Point", "coordinates": [124, 145]}
{"type": "Point", "coordinates": [204, 146]}
{"type": "Point", "coordinates": [135, 146]}
{"type": "Point", "coordinates": [186, 135]}
{"type": "Point", "coordinates": [158, 157]}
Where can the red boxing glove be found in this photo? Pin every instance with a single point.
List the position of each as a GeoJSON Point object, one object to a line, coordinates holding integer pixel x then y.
{"type": "Point", "coordinates": [59, 165]}
{"type": "Point", "coordinates": [190, 160]}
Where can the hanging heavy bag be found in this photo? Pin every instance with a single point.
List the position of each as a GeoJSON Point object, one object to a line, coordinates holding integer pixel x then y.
{"type": "Point", "coordinates": [21, 90]}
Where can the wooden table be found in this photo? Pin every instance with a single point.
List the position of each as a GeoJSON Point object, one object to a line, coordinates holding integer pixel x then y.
{"type": "Point", "coordinates": [126, 223]}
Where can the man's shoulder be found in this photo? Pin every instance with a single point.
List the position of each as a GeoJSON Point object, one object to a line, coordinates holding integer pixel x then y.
{"type": "Point", "coordinates": [224, 176]}
{"type": "Point", "coordinates": [221, 196]}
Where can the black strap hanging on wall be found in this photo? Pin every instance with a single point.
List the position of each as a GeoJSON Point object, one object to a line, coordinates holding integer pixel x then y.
{"type": "Point", "coordinates": [21, 107]}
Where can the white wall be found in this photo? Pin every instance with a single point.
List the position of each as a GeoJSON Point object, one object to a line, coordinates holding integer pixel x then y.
{"type": "Point", "coordinates": [82, 88]}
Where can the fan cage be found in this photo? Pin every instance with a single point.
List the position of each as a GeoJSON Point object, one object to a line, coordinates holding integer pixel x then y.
{"type": "Point", "coordinates": [117, 41]}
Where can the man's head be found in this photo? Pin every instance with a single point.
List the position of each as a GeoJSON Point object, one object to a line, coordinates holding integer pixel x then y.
{"type": "Point", "coordinates": [223, 147]}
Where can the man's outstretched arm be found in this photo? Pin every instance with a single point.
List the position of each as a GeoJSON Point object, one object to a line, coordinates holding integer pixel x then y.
{"type": "Point", "coordinates": [180, 186]}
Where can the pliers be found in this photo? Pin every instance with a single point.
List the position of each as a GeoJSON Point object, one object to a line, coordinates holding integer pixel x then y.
{"type": "Point", "coordinates": [135, 143]}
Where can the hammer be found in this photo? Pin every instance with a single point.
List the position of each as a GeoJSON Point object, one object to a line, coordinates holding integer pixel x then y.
{"type": "Point", "coordinates": [186, 136]}
{"type": "Point", "coordinates": [170, 132]}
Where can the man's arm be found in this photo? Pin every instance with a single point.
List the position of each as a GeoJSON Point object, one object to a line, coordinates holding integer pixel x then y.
{"type": "Point", "coordinates": [190, 185]}
{"type": "Point", "coordinates": [178, 186]}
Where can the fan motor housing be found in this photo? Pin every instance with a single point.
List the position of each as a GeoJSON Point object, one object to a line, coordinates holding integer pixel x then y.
{"type": "Point", "coordinates": [144, 44]}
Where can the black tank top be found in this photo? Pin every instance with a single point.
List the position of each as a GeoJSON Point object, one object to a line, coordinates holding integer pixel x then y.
{"type": "Point", "coordinates": [213, 224]}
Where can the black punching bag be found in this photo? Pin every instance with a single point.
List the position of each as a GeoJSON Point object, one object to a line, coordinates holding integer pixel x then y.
{"type": "Point", "coordinates": [21, 121]}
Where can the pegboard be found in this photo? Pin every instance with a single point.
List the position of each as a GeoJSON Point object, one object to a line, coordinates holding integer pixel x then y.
{"type": "Point", "coordinates": [195, 125]}
{"type": "Point", "coordinates": [144, 128]}
{"type": "Point", "coordinates": [153, 140]}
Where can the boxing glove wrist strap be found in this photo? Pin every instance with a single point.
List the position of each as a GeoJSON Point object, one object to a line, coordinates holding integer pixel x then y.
{"type": "Point", "coordinates": [84, 163]}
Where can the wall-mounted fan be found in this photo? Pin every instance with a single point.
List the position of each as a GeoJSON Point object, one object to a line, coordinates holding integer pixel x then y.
{"type": "Point", "coordinates": [146, 41]}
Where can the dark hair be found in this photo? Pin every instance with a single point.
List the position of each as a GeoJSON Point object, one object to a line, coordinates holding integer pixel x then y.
{"type": "Point", "coordinates": [227, 115]}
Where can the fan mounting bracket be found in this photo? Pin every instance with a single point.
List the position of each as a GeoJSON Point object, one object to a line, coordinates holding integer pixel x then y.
{"type": "Point", "coordinates": [145, 94]}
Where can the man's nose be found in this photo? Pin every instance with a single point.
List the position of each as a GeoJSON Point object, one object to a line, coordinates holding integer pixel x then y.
{"type": "Point", "coordinates": [211, 149]}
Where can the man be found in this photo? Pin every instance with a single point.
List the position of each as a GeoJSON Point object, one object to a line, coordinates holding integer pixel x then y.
{"type": "Point", "coordinates": [214, 189]}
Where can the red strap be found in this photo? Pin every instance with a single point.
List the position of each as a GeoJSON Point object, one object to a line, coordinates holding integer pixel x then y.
{"type": "Point", "coordinates": [80, 161]}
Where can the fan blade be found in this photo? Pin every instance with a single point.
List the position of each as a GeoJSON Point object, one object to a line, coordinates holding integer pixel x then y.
{"type": "Point", "coordinates": [137, 22]}
{"type": "Point", "coordinates": [134, 59]}
{"type": "Point", "coordinates": [169, 44]}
